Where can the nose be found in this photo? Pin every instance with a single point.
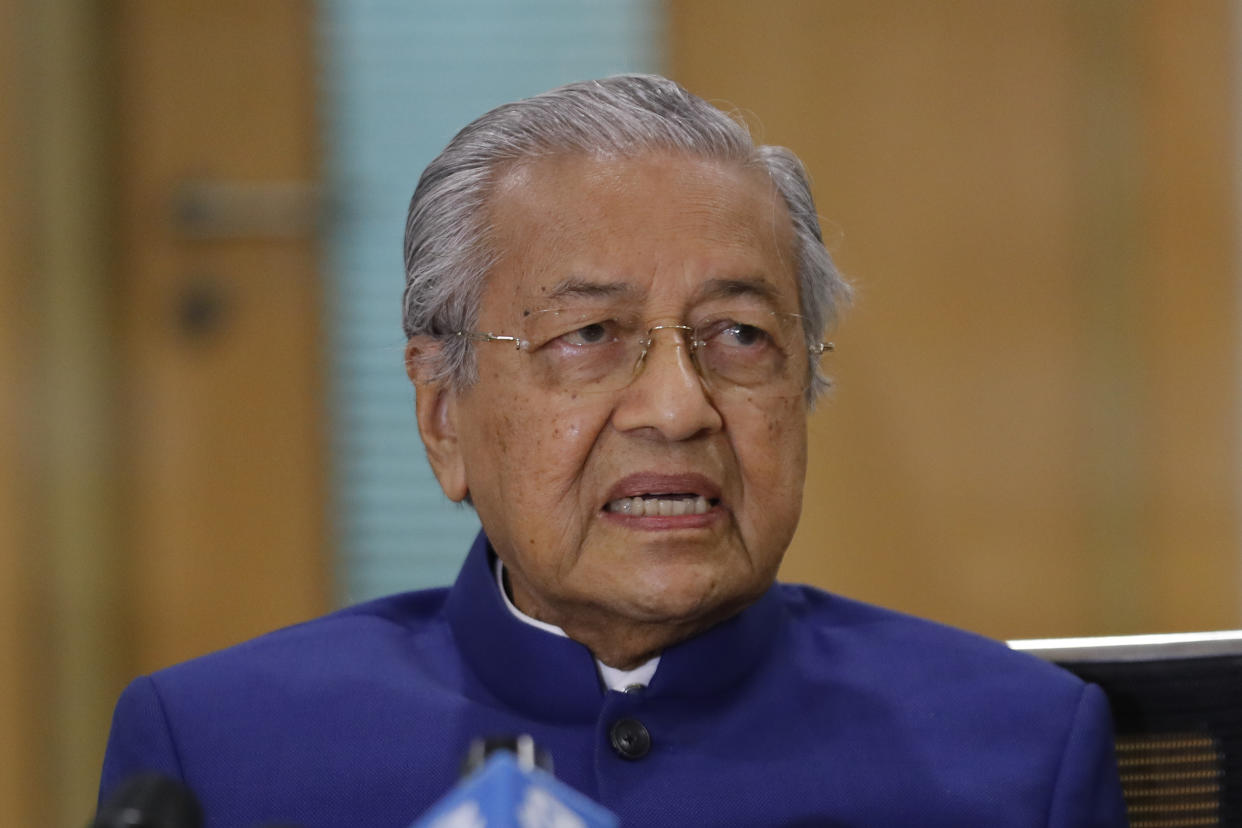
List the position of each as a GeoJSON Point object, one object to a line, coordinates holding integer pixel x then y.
{"type": "Point", "coordinates": [668, 398]}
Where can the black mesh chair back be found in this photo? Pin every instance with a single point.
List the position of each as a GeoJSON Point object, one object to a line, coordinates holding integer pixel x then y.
{"type": "Point", "coordinates": [1177, 712]}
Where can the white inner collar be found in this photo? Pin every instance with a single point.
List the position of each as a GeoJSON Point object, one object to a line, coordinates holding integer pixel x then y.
{"type": "Point", "coordinates": [612, 678]}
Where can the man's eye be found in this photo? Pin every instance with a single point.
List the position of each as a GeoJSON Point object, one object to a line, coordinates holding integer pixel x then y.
{"type": "Point", "coordinates": [594, 334]}
{"type": "Point", "coordinates": [741, 335]}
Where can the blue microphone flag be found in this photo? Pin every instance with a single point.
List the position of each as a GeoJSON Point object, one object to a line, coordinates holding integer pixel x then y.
{"type": "Point", "coordinates": [502, 794]}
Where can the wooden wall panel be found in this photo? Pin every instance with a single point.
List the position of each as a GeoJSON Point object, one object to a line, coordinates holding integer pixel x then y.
{"type": "Point", "coordinates": [81, 605]}
{"type": "Point", "coordinates": [1190, 319]}
{"type": "Point", "coordinates": [24, 793]}
{"type": "Point", "coordinates": [1035, 425]}
{"type": "Point", "coordinates": [57, 574]}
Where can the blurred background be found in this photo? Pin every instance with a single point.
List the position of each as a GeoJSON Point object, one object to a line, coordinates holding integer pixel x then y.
{"type": "Point", "coordinates": [206, 432]}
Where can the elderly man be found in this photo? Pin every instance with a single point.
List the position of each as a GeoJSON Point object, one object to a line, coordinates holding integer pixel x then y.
{"type": "Point", "coordinates": [615, 308]}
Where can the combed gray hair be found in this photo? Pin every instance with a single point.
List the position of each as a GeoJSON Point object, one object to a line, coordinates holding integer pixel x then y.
{"type": "Point", "coordinates": [447, 256]}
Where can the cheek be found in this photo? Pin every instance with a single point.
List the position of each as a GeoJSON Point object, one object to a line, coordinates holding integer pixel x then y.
{"type": "Point", "coordinates": [784, 428]}
{"type": "Point", "coordinates": [773, 463]}
{"type": "Point", "coordinates": [566, 429]}
{"type": "Point", "coordinates": [549, 448]}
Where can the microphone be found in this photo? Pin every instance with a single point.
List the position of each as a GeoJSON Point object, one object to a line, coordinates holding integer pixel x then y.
{"type": "Point", "coordinates": [150, 800]}
{"type": "Point", "coordinates": [509, 784]}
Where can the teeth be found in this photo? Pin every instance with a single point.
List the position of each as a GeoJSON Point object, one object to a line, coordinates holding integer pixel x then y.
{"type": "Point", "coordinates": [654, 506]}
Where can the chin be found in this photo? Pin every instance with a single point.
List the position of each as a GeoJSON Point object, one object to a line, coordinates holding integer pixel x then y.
{"type": "Point", "coordinates": [689, 598]}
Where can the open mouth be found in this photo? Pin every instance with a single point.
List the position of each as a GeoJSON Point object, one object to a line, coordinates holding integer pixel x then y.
{"type": "Point", "coordinates": [662, 505]}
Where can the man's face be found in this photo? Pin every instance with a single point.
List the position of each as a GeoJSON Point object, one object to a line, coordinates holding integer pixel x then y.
{"type": "Point", "coordinates": [667, 238]}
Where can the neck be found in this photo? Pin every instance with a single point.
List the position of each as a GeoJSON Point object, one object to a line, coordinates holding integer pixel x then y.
{"type": "Point", "coordinates": [616, 640]}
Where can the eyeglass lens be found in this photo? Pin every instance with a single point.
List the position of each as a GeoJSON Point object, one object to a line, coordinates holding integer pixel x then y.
{"type": "Point", "coordinates": [593, 351]}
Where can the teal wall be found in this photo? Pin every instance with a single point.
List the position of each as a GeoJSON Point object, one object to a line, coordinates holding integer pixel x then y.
{"type": "Point", "coordinates": [400, 77]}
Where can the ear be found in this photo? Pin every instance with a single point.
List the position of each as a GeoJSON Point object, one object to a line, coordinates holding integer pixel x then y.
{"type": "Point", "coordinates": [436, 405]}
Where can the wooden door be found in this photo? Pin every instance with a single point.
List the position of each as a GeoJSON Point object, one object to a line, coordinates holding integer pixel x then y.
{"type": "Point", "coordinates": [223, 346]}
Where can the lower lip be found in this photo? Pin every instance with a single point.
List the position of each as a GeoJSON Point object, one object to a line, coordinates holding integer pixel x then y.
{"type": "Point", "coordinates": [665, 522]}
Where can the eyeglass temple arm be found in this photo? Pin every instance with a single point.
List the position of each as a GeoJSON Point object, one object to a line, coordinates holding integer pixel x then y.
{"type": "Point", "coordinates": [487, 336]}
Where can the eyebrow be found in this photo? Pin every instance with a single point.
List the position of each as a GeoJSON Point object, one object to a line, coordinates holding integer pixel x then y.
{"type": "Point", "coordinates": [757, 288]}
{"type": "Point", "coordinates": [585, 289]}
{"type": "Point", "coordinates": [578, 288]}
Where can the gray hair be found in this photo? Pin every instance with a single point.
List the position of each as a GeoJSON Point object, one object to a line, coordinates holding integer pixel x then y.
{"type": "Point", "coordinates": [447, 256]}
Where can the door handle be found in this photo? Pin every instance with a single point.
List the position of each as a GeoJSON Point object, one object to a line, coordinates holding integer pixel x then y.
{"type": "Point", "coordinates": [212, 209]}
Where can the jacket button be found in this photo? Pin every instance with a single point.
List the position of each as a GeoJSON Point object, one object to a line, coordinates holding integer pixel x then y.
{"type": "Point", "coordinates": [630, 738]}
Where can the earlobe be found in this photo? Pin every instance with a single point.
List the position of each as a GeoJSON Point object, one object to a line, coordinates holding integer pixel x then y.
{"type": "Point", "coordinates": [436, 406]}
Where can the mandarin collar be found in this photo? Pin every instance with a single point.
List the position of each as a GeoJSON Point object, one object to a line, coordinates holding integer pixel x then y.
{"type": "Point", "coordinates": [554, 678]}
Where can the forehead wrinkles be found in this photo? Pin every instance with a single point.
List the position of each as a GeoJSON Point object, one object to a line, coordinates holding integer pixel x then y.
{"type": "Point", "coordinates": [552, 218]}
